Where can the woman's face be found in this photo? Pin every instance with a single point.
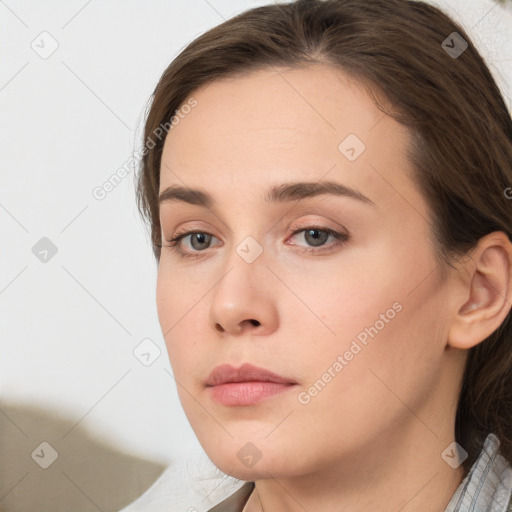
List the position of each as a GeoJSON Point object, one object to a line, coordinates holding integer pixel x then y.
{"type": "Point", "coordinates": [356, 324]}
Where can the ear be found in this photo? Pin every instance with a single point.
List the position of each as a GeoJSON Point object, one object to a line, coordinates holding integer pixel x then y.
{"type": "Point", "coordinates": [484, 292]}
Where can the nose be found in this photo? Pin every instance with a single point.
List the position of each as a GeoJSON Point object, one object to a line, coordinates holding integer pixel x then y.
{"type": "Point", "coordinates": [244, 301]}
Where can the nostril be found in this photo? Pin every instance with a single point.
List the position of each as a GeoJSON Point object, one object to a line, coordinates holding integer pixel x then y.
{"type": "Point", "coordinates": [219, 328]}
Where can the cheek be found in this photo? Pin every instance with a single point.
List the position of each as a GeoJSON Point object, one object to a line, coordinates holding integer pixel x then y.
{"type": "Point", "coordinates": [388, 360]}
{"type": "Point", "coordinates": [176, 298]}
{"type": "Point", "coordinates": [350, 295]}
{"type": "Point", "coordinates": [379, 315]}
{"type": "Point", "coordinates": [396, 365]}
{"type": "Point", "coordinates": [177, 307]}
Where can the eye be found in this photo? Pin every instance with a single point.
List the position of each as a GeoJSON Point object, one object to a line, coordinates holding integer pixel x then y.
{"type": "Point", "coordinates": [317, 236]}
{"type": "Point", "coordinates": [198, 240]}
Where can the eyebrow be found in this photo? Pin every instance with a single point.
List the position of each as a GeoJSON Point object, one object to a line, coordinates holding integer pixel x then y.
{"type": "Point", "coordinates": [275, 194]}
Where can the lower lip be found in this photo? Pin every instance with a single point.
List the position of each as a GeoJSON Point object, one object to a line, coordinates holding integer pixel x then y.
{"type": "Point", "coordinates": [246, 393]}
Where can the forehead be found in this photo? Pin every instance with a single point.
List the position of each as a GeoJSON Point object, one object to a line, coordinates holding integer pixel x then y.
{"type": "Point", "coordinates": [312, 103]}
{"type": "Point", "coordinates": [285, 124]}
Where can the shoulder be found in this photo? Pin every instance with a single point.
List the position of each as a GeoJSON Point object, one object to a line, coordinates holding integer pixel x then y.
{"type": "Point", "coordinates": [192, 485]}
{"type": "Point", "coordinates": [235, 502]}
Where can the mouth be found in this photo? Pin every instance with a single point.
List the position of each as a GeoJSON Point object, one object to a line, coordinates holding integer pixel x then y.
{"type": "Point", "coordinates": [246, 385]}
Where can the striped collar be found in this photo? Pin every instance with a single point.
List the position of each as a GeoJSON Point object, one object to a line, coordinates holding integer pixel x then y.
{"type": "Point", "coordinates": [488, 485]}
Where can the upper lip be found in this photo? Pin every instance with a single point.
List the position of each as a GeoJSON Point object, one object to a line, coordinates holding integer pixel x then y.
{"type": "Point", "coordinates": [246, 373]}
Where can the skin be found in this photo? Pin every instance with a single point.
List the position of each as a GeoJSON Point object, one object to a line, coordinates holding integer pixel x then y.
{"type": "Point", "coordinates": [372, 439]}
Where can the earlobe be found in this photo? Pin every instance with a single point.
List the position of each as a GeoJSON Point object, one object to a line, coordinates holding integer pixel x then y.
{"type": "Point", "coordinates": [487, 292]}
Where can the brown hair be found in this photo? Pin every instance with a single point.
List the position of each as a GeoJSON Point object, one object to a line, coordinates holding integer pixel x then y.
{"type": "Point", "coordinates": [460, 128]}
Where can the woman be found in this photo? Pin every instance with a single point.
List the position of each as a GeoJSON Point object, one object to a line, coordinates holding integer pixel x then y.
{"type": "Point", "coordinates": [328, 187]}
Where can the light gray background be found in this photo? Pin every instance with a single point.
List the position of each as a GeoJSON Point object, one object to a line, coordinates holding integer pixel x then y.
{"type": "Point", "coordinates": [69, 325]}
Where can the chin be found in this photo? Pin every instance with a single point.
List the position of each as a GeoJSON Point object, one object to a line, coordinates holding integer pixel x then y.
{"type": "Point", "coordinates": [240, 473]}
{"type": "Point", "coordinates": [245, 461]}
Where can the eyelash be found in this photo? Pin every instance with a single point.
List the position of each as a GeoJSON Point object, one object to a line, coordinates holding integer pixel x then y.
{"type": "Point", "coordinates": [174, 243]}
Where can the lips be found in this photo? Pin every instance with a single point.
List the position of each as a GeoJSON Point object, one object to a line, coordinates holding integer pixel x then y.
{"type": "Point", "coordinates": [245, 386]}
{"type": "Point", "coordinates": [226, 373]}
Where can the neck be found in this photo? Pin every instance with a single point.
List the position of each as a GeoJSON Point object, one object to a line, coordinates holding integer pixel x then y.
{"type": "Point", "coordinates": [404, 473]}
